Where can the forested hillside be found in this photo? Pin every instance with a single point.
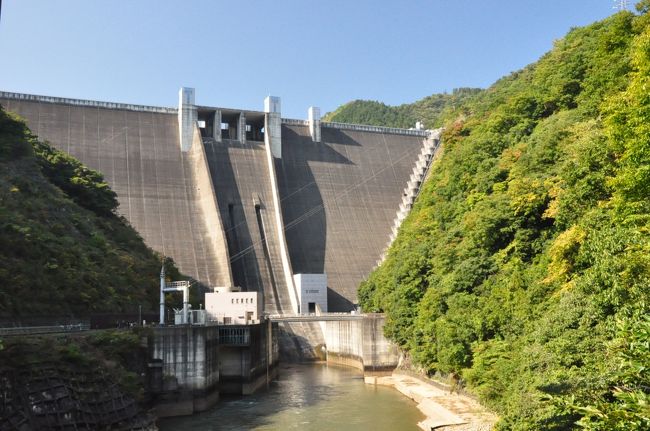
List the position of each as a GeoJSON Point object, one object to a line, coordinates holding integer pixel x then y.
{"type": "Point", "coordinates": [428, 110]}
{"type": "Point", "coordinates": [63, 250]}
{"type": "Point", "coordinates": [524, 267]}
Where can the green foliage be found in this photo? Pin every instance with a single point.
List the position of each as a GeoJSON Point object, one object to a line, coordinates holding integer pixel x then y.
{"type": "Point", "coordinates": [12, 139]}
{"type": "Point", "coordinates": [115, 357]}
{"type": "Point", "coordinates": [63, 251]}
{"type": "Point", "coordinates": [429, 110]}
{"type": "Point", "coordinates": [85, 186]}
{"type": "Point", "coordinates": [72, 353]}
{"type": "Point", "coordinates": [624, 403]}
{"type": "Point", "coordinates": [529, 241]}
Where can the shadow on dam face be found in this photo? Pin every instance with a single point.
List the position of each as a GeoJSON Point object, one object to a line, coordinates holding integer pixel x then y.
{"type": "Point", "coordinates": [339, 200]}
{"type": "Point", "coordinates": [303, 208]}
{"type": "Point", "coordinates": [234, 212]}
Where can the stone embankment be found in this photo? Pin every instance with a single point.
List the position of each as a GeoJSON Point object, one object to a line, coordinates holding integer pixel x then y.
{"type": "Point", "coordinates": [444, 409]}
{"type": "Point", "coordinates": [56, 382]}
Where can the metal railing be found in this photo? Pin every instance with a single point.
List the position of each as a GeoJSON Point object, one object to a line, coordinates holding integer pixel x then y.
{"type": "Point", "coordinates": [313, 317]}
{"type": "Point", "coordinates": [34, 330]}
{"type": "Point", "coordinates": [378, 129]}
{"type": "Point", "coordinates": [234, 336]}
{"type": "Point", "coordinates": [294, 122]}
{"type": "Point", "coordinates": [87, 103]}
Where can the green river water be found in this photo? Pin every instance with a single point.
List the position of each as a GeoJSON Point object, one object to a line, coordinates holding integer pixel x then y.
{"type": "Point", "coordinates": [309, 397]}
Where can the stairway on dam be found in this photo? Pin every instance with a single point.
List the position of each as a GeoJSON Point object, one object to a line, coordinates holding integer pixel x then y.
{"type": "Point", "coordinates": [413, 187]}
{"type": "Point", "coordinates": [252, 204]}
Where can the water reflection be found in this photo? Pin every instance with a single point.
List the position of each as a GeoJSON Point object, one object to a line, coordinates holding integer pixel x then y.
{"type": "Point", "coordinates": [309, 397]}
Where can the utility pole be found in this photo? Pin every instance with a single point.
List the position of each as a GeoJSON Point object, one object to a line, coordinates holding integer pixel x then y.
{"type": "Point", "coordinates": [621, 4]}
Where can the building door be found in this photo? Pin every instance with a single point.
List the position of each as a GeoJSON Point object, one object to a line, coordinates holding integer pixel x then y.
{"type": "Point", "coordinates": [312, 307]}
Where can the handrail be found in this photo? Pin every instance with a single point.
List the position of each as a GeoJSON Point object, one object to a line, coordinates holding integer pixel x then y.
{"type": "Point", "coordinates": [88, 103]}
{"type": "Point", "coordinates": [27, 330]}
{"type": "Point", "coordinates": [378, 129]}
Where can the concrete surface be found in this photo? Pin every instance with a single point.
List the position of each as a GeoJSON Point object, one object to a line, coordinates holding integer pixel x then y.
{"type": "Point", "coordinates": [339, 199]}
{"type": "Point", "coordinates": [361, 344]}
{"type": "Point", "coordinates": [138, 153]}
{"type": "Point", "coordinates": [240, 177]}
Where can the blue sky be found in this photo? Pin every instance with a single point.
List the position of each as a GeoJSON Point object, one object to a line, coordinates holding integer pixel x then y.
{"type": "Point", "coordinates": [322, 53]}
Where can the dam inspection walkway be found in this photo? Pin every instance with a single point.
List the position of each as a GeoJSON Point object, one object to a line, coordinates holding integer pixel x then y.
{"type": "Point", "coordinates": [323, 317]}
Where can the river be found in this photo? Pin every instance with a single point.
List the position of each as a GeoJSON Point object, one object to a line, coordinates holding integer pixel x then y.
{"type": "Point", "coordinates": [308, 397]}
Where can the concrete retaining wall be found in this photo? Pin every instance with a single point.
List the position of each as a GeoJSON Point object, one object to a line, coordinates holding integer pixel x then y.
{"type": "Point", "coordinates": [190, 368]}
{"type": "Point", "coordinates": [361, 344]}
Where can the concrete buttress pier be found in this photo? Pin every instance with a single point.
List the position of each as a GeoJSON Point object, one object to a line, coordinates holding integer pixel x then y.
{"type": "Point", "coordinates": [361, 344]}
{"type": "Point", "coordinates": [272, 125]}
{"type": "Point", "coordinates": [187, 116]}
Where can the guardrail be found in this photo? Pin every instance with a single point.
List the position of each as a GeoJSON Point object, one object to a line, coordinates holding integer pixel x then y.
{"type": "Point", "coordinates": [294, 122]}
{"type": "Point", "coordinates": [360, 127]}
{"type": "Point", "coordinates": [377, 129]}
{"type": "Point", "coordinates": [314, 317]}
{"type": "Point", "coordinates": [88, 103]}
{"type": "Point", "coordinates": [35, 330]}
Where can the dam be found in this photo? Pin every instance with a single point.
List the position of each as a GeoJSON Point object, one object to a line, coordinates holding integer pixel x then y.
{"type": "Point", "coordinates": [286, 216]}
{"type": "Point", "coordinates": [246, 199]}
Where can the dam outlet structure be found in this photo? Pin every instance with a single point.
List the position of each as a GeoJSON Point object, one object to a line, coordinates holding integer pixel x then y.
{"type": "Point", "coordinates": [246, 200]}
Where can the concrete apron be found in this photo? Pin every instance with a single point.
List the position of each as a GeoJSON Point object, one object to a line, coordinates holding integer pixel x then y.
{"type": "Point", "coordinates": [442, 408]}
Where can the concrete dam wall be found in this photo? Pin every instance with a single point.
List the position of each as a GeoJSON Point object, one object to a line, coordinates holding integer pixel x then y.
{"type": "Point", "coordinates": [242, 198]}
{"type": "Point", "coordinates": [339, 200]}
{"type": "Point", "coordinates": [137, 151]}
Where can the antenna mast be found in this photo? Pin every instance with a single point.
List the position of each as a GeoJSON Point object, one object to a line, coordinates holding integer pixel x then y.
{"type": "Point", "coordinates": [621, 4]}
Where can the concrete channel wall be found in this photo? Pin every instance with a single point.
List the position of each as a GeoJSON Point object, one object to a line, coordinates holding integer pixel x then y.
{"type": "Point", "coordinates": [361, 344]}
{"type": "Point", "coordinates": [240, 174]}
{"type": "Point", "coordinates": [208, 209]}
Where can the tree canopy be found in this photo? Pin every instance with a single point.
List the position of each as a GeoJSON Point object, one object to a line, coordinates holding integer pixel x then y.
{"type": "Point", "coordinates": [524, 266]}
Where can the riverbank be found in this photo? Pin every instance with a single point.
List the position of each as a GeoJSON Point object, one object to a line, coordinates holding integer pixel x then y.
{"type": "Point", "coordinates": [444, 409]}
